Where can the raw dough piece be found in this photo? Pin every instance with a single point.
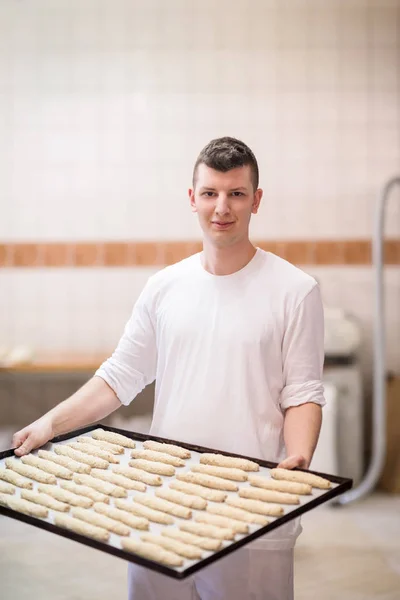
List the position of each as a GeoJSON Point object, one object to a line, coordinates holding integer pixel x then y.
{"type": "Point", "coordinates": [268, 496]}
{"type": "Point", "coordinates": [121, 515]}
{"type": "Point", "coordinates": [119, 480]}
{"type": "Point", "coordinates": [163, 505]}
{"type": "Point", "coordinates": [23, 506]}
{"type": "Point", "coordinates": [104, 487]}
{"type": "Point", "coordinates": [64, 461]}
{"type": "Point", "coordinates": [15, 479]}
{"type": "Point", "coordinates": [31, 472]}
{"type": "Point", "coordinates": [44, 500]}
{"type": "Point", "coordinates": [137, 475]}
{"type": "Point", "coordinates": [100, 520]}
{"type": "Point", "coordinates": [47, 466]}
{"type": "Point", "coordinates": [7, 488]}
{"type": "Point", "coordinates": [193, 539]}
{"type": "Point", "coordinates": [78, 526]}
{"type": "Point", "coordinates": [168, 448]}
{"type": "Point", "coordinates": [185, 550]}
{"type": "Point", "coordinates": [257, 506]}
{"type": "Point", "coordinates": [290, 487]}
{"type": "Point", "coordinates": [198, 490]}
{"type": "Point", "coordinates": [209, 481]}
{"type": "Point", "coordinates": [92, 450]}
{"type": "Point", "coordinates": [219, 521]}
{"type": "Point", "coordinates": [211, 531]}
{"type": "Point", "coordinates": [301, 477]}
{"type": "Point", "coordinates": [161, 457]}
{"type": "Point", "coordinates": [219, 460]}
{"type": "Point", "coordinates": [143, 511]}
{"type": "Point", "coordinates": [84, 490]}
{"type": "Point", "coordinates": [237, 513]}
{"type": "Point", "coordinates": [65, 496]}
{"type": "Point", "coordinates": [224, 472]}
{"type": "Point", "coordinates": [152, 552]}
{"type": "Point", "coordinates": [181, 498]}
{"type": "Point", "coordinates": [87, 459]}
{"type": "Point", "coordinates": [113, 438]}
{"type": "Point", "coordinates": [152, 467]}
{"type": "Point", "coordinates": [113, 448]}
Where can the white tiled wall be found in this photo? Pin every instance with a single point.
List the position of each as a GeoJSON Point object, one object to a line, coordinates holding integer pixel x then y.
{"type": "Point", "coordinates": [105, 105]}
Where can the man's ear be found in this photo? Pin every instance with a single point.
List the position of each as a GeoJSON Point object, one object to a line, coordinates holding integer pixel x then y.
{"type": "Point", "coordinates": [192, 200]}
{"type": "Point", "coordinates": [256, 202]}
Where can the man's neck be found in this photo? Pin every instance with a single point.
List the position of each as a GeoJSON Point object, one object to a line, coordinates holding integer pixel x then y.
{"type": "Point", "coordinates": [225, 261]}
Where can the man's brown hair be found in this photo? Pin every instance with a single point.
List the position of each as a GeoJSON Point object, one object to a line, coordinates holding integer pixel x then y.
{"type": "Point", "coordinates": [226, 153]}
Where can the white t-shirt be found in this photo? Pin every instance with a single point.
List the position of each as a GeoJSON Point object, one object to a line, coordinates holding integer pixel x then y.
{"type": "Point", "coordinates": [229, 353]}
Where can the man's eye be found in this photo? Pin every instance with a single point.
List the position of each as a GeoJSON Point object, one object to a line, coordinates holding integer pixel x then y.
{"type": "Point", "coordinates": [238, 193]}
{"type": "Point", "coordinates": [208, 194]}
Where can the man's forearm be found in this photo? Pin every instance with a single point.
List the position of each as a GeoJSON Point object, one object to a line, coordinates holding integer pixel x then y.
{"type": "Point", "coordinates": [92, 402]}
{"type": "Point", "coordinates": [301, 429]}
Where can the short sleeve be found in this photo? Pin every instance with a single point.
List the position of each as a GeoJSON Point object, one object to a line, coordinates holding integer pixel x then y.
{"type": "Point", "coordinates": [132, 365]}
{"type": "Point", "coordinates": [303, 353]}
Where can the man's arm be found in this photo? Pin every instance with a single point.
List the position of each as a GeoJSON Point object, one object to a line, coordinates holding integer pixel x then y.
{"type": "Point", "coordinates": [92, 402]}
{"type": "Point", "coordinates": [301, 429]}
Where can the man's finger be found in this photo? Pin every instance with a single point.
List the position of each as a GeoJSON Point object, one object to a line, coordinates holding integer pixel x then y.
{"type": "Point", "coordinates": [19, 438]}
{"type": "Point", "coordinates": [26, 447]}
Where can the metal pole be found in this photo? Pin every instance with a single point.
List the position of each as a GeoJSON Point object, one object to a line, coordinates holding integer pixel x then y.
{"type": "Point", "coordinates": [379, 376]}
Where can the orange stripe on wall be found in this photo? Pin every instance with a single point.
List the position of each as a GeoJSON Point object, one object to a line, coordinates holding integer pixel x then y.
{"type": "Point", "coordinates": [140, 254]}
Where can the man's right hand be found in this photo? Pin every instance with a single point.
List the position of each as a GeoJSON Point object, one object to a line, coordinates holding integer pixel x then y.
{"type": "Point", "coordinates": [33, 436]}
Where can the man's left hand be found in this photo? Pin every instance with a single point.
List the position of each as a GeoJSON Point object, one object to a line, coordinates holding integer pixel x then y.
{"type": "Point", "coordinates": [296, 460]}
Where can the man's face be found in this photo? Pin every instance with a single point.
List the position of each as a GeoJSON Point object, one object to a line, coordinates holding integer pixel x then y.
{"type": "Point", "coordinates": [224, 203]}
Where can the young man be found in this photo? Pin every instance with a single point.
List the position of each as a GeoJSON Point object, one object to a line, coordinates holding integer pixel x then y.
{"type": "Point", "coordinates": [233, 337]}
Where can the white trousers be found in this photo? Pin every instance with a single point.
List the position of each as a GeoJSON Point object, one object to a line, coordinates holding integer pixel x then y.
{"type": "Point", "coordinates": [262, 570]}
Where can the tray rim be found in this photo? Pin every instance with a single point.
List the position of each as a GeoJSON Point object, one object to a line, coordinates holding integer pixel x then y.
{"type": "Point", "coordinates": [343, 484]}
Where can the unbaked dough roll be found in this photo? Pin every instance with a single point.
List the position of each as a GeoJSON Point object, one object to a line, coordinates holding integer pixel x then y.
{"type": "Point", "coordinates": [47, 466]}
{"type": "Point", "coordinates": [65, 496]}
{"type": "Point", "coordinates": [180, 548]}
{"type": "Point", "coordinates": [181, 498]}
{"type": "Point", "coordinates": [44, 500]}
{"type": "Point", "coordinates": [256, 506]}
{"type": "Point", "coordinates": [84, 490]}
{"type": "Point", "coordinates": [301, 477]}
{"type": "Point", "coordinates": [290, 487]}
{"type": "Point", "coordinates": [78, 526]}
{"type": "Point", "coordinates": [113, 438]}
{"type": "Point", "coordinates": [237, 513]}
{"type": "Point", "coordinates": [121, 515]}
{"type": "Point", "coordinates": [31, 472]}
{"type": "Point", "coordinates": [137, 475]}
{"type": "Point", "coordinates": [152, 552]}
{"type": "Point", "coordinates": [104, 487]}
{"type": "Point", "coordinates": [164, 506]}
{"type": "Point", "coordinates": [113, 448]}
{"type": "Point", "coordinates": [161, 457]}
{"type": "Point", "coordinates": [198, 490]}
{"type": "Point", "coordinates": [209, 481]}
{"type": "Point", "coordinates": [95, 518]}
{"type": "Point", "coordinates": [23, 506]}
{"type": "Point", "coordinates": [144, 511]}
{"type": "Point", "coordinates": [119, 480]}
{"type": "Point", "coordinates": [210, 531]}
{"type": "Point", "coordinates": [7, 488]}
{"type": "Point", "coordinates": [219, 460]}
{"type": "Point", "coordinates": [268, 496]}
{"type": "Point", "coordinates": [12, 477]}
{"type": "Point", "coordinates": [168, 448]}
{"type": "Point", "coordinates": [219, 521]}
{"type": "Point", "coordinates": [92, 461]}
{"type": "Point", "coordinates": [92, 450]}
{"type": "Point", "coordinates": [193, 539]}
{"type": "Point", "coordinates": [152, 467]}
{"type": "Point", "coordinates": [224, 472]}
{"type": "Point", "coordinates": [64, 461]}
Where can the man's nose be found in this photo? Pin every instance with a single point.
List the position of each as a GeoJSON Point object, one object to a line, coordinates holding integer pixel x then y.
{"type": "Point", "coordinates": [222, 204]}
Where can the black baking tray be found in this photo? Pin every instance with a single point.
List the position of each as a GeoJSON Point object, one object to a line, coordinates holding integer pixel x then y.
{"type": "Point", "coordinates": [343, 485]}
